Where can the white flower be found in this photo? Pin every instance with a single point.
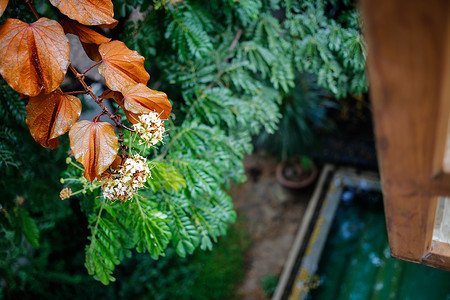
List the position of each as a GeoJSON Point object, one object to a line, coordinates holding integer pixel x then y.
{"type": "Point", "coordinates": [150, 129]}
{"type": "Point", "coordinates": [130, 177]}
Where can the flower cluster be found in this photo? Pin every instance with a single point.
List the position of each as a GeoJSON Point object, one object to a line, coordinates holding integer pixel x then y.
{"type": "Point", "coordinates": [150, 128]}
{"type": "Point", "coordinates": [65, 193]}
{"type": "Point", "coordinates": [123, 183]}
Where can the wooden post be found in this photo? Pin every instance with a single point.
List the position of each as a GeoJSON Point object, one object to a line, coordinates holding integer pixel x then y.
{"type": "Point", "coordinates": [407, 54]}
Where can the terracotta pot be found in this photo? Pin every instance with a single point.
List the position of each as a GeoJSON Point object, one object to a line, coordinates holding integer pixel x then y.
{"type": "Point", "coordinates": [291, 174]}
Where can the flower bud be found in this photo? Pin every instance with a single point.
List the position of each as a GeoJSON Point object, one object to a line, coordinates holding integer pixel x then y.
{"type": "Point", "coordinates": [65, 193]}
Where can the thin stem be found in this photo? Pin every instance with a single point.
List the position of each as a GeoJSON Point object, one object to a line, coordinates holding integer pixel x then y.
{"type": "Point", "coordinates": [4, 211]}
{"type": "Point", "coordinates": [235, 41]}
{"type": "Point", "coordinates": [227, 59]}
{"type": "Point", "coordinates": [117, 110]}
{"type": "Point", "coordinates": [77, 166]}
{"type": "Point", "coordinates": [33, 10]}
{"type": "Point", "coordinates": [97, 117]}
{"type": "Point", "coordinates": [123, 147]}
{"type": "Point", "coordinates": [74, 92]}
{"type": "Point", "coordinates": [76, 193]}
{"type": "Point", "coordinates": [94, 232]}
{"type": "Point", "coordinates": [71, 179]}
{"type": "Point", "coordinates": [96, 64]}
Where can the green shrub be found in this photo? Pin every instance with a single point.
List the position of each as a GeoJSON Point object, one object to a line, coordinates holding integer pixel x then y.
{"type": "Point", "coordinates": [269, 284]}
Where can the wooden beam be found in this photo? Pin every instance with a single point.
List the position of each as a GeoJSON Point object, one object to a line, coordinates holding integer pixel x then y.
{"type": "Point", "coordinates": [405, 65]}
{"type": "Point", "coordinates": [441, 163]}
{"type": "Point", "coordinates": [439, 256]}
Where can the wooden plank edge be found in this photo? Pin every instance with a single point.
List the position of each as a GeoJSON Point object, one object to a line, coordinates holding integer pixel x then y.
{"type": "Point", "coordinates": [438, 257]}
{"type": "Point", "coordinates": [300, 236]}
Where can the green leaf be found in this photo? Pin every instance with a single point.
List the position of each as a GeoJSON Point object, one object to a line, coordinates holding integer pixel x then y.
{"type": "Point", "coordinates": [206, 243]}
{"type": "Point", "coordinates": [29, 228]}
{"type": "Point", "coordinates": [180, 249]}
{"type": "Point", "coordinates": [165, 176]}
{"type": "Point", "coordinates": [151, 232]}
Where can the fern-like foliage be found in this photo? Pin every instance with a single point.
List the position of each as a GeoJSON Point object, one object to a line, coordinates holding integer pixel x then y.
{"type": "Point", "coordinates": [13, 112]}
{"type": "Point", "coordinates": [187, 32]}
{"type": "Point", "coordinates": [332, 49]}
{"type": "Point", "coordinates": [106, 245]}
{"type": "Point", "coordinates": [7, 151]}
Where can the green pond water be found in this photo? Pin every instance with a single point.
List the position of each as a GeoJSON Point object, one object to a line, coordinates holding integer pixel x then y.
{"type": "Point", "coordinates": [356, 262]}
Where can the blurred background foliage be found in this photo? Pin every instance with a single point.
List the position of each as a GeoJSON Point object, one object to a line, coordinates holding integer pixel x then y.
{"type": "Point", "coordinates": [232, 70]}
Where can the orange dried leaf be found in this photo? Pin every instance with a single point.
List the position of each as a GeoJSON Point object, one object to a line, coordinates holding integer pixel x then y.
{"type": "Point", "coordinates": [33, 57]}
{"type": "Point", "coordinates": [121, 66]}
{"type": "Point", "coordinates": [139, 99]}
{"type": "Point", "coordinates": [89, 38]}
{"type": "Point", "coordinates": [91, 51]}
{"type": "Point", "coordinates": [51, 115]}
{"type": "Point", "coordinates": [95, 145]}
{"type": "Point", "coordinates": [88, 12]}
{"type": "Point", "coordinates": [84, 33]}
{"type": "Point", "coordinates": [3, 5]}
{"type": "Point", "coordinates": [116, 96]}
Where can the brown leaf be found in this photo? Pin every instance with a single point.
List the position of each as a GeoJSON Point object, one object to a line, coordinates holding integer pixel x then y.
{"type": "Point", "coordinates": [51, 115]}
{"type": "Point", "coordinates": [139, 99]}
{"type": "Point", "coordinates": [89, 38]}
{"type": "Point", "coordinates": [116, 96]}
{"type": "Point", "coordinates": [88, 12]}
{"type": "Point", "coordinates": [91, 51]}
{"type": "Point", "coordinates": [3, 5]}
{"type": "Point", "coordinates": [121, 66]}
{"type": "Point", "coordinates": [84, 33]}
{"type": "Point", "coordinates": [33, 57]}
{"type": "Point", "coordinates": [95, 145]}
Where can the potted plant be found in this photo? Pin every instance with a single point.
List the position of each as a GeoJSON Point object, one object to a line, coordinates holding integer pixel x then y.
{"type": "Point", "coordinates": [296, 173]}
{"type": "Point", "coordinates": [303, 112]}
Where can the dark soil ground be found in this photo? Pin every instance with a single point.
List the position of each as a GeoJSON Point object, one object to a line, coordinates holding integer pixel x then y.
{"type": "Point", "coordinates": [273, 215]}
